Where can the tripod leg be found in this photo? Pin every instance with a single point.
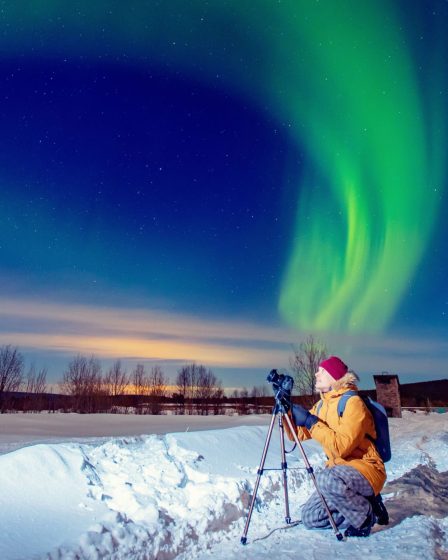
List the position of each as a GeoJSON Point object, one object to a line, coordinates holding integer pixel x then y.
{"type": "Point", "coordinates": [310, 471]}
{"type": "Point", "coordinates": [284, 467]}
{"type": "Point", "coordinates": [259, 473]}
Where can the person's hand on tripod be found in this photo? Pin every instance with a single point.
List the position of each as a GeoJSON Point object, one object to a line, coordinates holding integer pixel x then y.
{"type": "Point", "coordinates": [302, 417]}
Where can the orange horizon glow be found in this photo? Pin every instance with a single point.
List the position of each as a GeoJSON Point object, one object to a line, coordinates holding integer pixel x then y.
{"type": "Point", "coordinates": [141, 335]}
{"type": "Point", "coordinates": [116, 347]}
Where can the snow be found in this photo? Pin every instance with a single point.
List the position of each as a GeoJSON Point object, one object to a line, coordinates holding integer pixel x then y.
{"type": "Point", "coordinates": [19, 430]}
{"type": "Point", "coordinates": [183, 494]}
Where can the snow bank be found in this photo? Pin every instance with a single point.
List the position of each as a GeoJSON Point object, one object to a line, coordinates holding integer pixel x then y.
{"type": "Point", "coordinates": [19, 430]}
{"type": "Point", "coordinates": [43, 496]}
{"type": "Point", "coordinates": [185, 494]}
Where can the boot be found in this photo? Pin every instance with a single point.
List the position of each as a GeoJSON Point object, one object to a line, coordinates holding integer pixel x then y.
{"type": "Point", "coordinates": [364, 530]}
{"type": "Point", "coordinates": [379, 509]}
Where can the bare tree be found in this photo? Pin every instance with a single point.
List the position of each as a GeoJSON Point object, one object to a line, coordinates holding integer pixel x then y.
{"type": "Point", "coordinates": [158, 385]}
{"type": "Point", "coordinates": [259, 391]}
{"type": "Point", "coordinates": [11, 372]}
{"type": "Point", "coordinates": [256, 394]}
{"type": "Point", "coordinates": [36, 386]}
{"type": "Point", "coordinates": [182, 384]}
{"type": "Point", "coordinates": [182, 381]}
{"type": "Point", "coordinates": [186, 382]}
{"type": "Point", "coordinates": [36, 382]}
{"type": "Point", "coordinates": [83, 381]}
{"type": "Point", "coordinates": [115, 384]}
{"type": "Point", "coordinates": [198, 386]}
{"type": "Point", "coordinates": [193, 377]}
{"type": "Point", "coordinates": [140, 384]}
{"type": "Point", "coordinates": [206, 387]}
{"type": "Point", "coordinates": [218, 399]}
{"type": "Point", "coordinates": [116, 380]}
{"type": "Point", "coordinates": [305, 363]}
{"type": "Point", "coordinates": [140, 380]}
{"type": "Point", "coordinates": [243, 403]}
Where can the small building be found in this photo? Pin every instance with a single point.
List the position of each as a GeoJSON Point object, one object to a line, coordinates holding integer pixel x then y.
{"type": "Point", "coordinates": [388, 393]}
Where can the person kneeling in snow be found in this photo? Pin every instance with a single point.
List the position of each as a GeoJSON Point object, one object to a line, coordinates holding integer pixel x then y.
{"type": "Point", "coordinates": [354, 473]}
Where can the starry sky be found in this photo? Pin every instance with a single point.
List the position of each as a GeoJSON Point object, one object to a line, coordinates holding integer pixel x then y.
{"type": "Point", "coordinates": [214, 181]}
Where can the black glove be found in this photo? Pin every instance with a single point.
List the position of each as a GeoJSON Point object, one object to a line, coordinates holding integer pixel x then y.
{"type": "Point", "coordinates": [302, 417]}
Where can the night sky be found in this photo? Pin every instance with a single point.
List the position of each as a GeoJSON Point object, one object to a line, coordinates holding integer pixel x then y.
{"type": "Point", "coordinates": [214, 181]}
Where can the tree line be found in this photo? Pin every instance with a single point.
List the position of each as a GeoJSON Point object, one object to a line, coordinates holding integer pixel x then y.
{"type": "Point", "coordinates": [86, 388]}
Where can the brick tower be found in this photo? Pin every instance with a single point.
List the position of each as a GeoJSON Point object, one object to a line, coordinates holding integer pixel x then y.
{"type": "Point", "coordinates": [388, 393]}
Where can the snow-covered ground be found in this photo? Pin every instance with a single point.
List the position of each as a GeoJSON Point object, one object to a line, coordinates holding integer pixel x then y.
{"type": "Point", "coordinates": [185, 494]}
{"type": "Point", "coordinates": [20, 430]}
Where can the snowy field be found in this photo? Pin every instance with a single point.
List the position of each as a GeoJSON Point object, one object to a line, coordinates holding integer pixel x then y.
{"type": "Point", "coordinates": [183, 494]}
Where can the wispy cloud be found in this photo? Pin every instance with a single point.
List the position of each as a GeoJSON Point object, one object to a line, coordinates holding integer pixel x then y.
{"type": "Point", "coordinates": [149, 334]}
{"type": "Point", "coordinates": [131, 333]}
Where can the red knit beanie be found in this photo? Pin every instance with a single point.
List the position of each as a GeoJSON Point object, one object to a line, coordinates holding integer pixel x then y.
{"type": "Point", "coordinates": [335, 367]}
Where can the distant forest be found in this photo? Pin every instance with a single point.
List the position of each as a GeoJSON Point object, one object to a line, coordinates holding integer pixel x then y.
{"type": "Point", "coordinates": [85, 388]}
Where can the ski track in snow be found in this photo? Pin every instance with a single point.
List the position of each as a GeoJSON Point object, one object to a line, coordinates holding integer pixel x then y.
{"type": "Point", "coordinates": [185, 495]}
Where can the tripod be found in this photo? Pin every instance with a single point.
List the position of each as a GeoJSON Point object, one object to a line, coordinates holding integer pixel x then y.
{"type": "Point", "coordinates": [280, 413]}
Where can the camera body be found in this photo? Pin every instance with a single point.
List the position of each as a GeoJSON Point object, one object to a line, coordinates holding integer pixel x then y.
{"type": "Point", "coordinates": [282, 385]}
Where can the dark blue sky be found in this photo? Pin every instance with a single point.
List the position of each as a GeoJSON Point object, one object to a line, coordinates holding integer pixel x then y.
{"type": "Point", "coordinates": [144, 180]}
{"type": "Point", "coordinates": [138, 183]}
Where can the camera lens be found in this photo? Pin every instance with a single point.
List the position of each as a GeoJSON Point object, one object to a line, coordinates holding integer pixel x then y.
{"type": "Point", "coordinates": [287, 383]}
{"type": "Point", "coordinates": [273, 376]}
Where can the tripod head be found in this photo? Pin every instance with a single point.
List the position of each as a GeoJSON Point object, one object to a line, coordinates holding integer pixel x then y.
{"type": "Point", "coordinates": [282, 386]}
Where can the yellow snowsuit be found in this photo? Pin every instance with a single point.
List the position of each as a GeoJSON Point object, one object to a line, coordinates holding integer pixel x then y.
{"type": "Point", "coordinates": [344, 439]}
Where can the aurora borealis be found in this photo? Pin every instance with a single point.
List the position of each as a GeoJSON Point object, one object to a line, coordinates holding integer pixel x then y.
{"type": "Point", "coordinates": [376, 165]}
{"type": "Point", "coordinates": [264, 163]}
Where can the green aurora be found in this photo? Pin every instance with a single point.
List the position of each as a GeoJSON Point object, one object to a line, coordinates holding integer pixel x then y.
{"type": "Point", "coordinates": [342, 76]}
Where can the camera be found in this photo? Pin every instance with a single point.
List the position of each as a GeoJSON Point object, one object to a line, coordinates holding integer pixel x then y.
{"type": "Point", "coordinates": [282, 385]}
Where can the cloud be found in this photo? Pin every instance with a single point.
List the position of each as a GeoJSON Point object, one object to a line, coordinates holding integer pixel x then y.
{"type": "Point", "coordinates": [150, 334]}
{"type": "Point", "coordinates": [133, 333]}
